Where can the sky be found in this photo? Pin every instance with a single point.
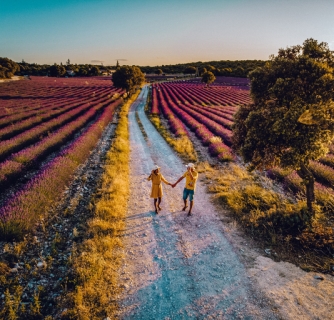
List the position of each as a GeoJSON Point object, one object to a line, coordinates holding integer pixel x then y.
{"type": "Point", "coordinates": [155, 32]}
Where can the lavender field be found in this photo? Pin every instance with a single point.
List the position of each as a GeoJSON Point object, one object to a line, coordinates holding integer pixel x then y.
{"type": "Point", "coordinates": [47, 127]}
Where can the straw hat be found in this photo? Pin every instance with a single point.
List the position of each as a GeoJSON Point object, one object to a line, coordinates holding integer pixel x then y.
{"type": "Point", "coordinates": [190, 165]}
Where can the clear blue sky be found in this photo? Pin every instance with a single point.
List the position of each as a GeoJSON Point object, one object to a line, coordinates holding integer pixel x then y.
{"type": "Point", "coordinates": [155, 32]}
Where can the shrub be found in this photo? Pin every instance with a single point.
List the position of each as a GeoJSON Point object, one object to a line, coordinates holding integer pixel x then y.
{"type": "Point", "coordinates": [257, 207]}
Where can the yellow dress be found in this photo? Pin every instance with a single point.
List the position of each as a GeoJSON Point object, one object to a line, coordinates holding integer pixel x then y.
{"type": "Point", "coordinates": [156, 184]}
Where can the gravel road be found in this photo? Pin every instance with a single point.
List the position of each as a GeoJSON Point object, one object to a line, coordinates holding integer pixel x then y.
{"type": "Point", "coordinates": [178, 267]}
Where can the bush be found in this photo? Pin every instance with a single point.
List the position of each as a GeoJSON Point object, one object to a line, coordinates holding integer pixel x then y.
{"type": "Point", "coordinates": [273, 215]}
{"type": "Point", "coordinates": [255, 206]}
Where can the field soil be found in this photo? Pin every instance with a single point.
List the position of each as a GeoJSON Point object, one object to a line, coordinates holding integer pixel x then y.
{"type": "Point", "coordinates": [14, 78]}
{"type": "Point", "coordinates": [55, 238]}
{"type": "Point", "coordinates": [201, 267]}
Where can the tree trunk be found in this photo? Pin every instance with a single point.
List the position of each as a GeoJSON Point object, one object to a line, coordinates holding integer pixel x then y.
{"type": "Point", "coordinates": [308, 179]}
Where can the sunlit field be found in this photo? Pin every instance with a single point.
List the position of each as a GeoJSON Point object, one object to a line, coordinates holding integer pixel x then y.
{"type": "Point", "coordinates": [48, 127]}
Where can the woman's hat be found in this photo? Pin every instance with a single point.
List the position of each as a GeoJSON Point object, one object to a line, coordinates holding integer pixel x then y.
{"type": "Point", "coordinates": [156, 167]}
{"type": "Point", "coordinates": [190, 165]}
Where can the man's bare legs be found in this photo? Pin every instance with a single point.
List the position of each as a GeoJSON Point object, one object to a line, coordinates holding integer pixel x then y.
{"type": "Point", "coordinates": [191, 206]}
{"type": "Point", "coordinates": [185, 204]}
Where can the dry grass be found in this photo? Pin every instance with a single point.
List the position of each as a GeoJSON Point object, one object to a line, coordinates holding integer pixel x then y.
{"type": "Point", "coordinates": [98, 259]}
{"type": "Point", "coordinates": [273, 217]}
{"type": "Point", "coordinates": [215, 139]}
{"type": "Point", "coordinates": [183, 145]}
{"type": "Point", "coordinates": [141, 127]}
{"type": "Point", "coordinates": [253, 204]}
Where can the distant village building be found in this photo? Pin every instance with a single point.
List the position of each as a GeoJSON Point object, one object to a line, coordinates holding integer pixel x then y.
{"type": "Point", "coordinates": [70, 73]}
{"type": "Point", "coordinates": [106, 72]}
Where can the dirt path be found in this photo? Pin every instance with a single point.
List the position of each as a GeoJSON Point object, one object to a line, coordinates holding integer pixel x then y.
{"type": "Point", "coordinates": [14, 78]}
{"type": "Point", "coordinates": [178, 267]}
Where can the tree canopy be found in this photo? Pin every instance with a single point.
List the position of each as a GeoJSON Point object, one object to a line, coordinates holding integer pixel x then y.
{"type": "Point", "coordinates": [158, 71]}
{"type": "Point", "coordinates": [57, 70]}
{"type": "Point", "coordinates": [94, 71]}
{"type": "Point", "coordinates": [236, 68]}
{"type": "Point", "coordinates": [128, 77]}
{"type": "Point", "coordinates": [202, 70]}
{"type": "Point", "coordinates": [190, 70]}
{"type": "Point", "coordinates": [290, 122]}
{"type": "Point", "coordinates": [8, 68]}
{"type": "Point", "coordinates": [208, 77]}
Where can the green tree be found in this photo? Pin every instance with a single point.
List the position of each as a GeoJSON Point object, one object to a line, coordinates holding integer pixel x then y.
{"type": "Point", "coordinates": [202, 71]}
{"type": "Point", "coordinates": [225, 72]}
{"type": "Point", "coordinates": [94, 71]}
{"type": "Point", "coordinates": [210, 68]}
{"type": "Point", "coordinates": [83, 71]}
{"type": "Point", "coordinates": [158, 72]}
{"type": "Point", "coordinates": [290, 122]}
{"type": "Point", "coordinates": [239, 71]}
{"type": "Point", "coordinates": [128, 78]}
{"type": "Point", "coordinates": [57, 70]}
{"type": "Point", "coordinates": [190, 70]}
{"type": "Point", "coordinates": [8, 68]}
{"type": "Point", "coordinates": [208, 77]}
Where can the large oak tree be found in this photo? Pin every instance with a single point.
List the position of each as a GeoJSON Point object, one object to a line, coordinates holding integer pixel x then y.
{"type": "Point", "coordinates": [128, 78]}
{"type": "Point", "coordinates": [208, 77]}
{"type": "Point", "coordinates": [290, 122]}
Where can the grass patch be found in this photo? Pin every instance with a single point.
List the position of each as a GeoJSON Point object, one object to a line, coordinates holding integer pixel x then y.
{"type": "Point", "coordinates": [141, 127]}
{"type": "Point", "coordinates": [182, 145]}
{"type": "Point", "coordinates": [277, 220]}
{"type": "Point", "coordinates": [97, 260]}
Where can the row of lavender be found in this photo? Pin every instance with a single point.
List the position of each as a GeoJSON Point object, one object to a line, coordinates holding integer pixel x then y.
{"type": "Point", "coordinates": [213, 130]}
{"type": "Point", "coordinates": [181, 107]}
{"type": "Point", "coordinates": [51, 124]}
{"type": "Point", "coordinates": [26, 95]}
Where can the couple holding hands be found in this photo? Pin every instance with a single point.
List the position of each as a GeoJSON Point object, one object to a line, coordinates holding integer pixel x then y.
{"type": "Point", "coordinates": [191, 177]}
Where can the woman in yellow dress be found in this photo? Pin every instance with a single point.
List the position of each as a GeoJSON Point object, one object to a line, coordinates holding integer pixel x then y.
{"type": "Point", "coordinates": [156, 177]}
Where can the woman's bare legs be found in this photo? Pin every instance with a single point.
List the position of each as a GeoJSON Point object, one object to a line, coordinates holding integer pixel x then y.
{"type": "Point", "coordinates": [155, 205]}
{"type": "Point", "coordinates": [159, 201]}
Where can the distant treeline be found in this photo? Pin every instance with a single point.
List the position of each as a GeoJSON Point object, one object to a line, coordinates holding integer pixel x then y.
{"type": "Point", "coordinates": [237, 68]}
{"type": "Point", "coordinates": [8, 68]}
